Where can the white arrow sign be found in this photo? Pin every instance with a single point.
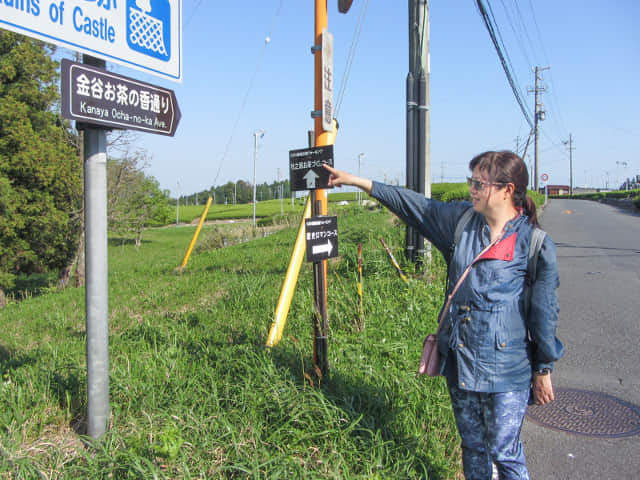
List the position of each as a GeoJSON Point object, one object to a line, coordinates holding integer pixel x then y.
{"type": "Point", "coordinates": [311, 178]}
{"type": "Point", "coordinates": [322, 248]}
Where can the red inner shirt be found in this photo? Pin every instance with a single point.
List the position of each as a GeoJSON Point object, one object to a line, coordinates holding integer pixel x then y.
{"type": "Point", "coordinates": [503, 250]}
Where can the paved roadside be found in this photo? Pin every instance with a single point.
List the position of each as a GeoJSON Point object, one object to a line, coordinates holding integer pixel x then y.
{"type": "Point", "coordinates": [599, 262]}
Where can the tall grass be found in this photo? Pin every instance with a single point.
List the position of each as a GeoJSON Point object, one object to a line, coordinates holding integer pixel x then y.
{"type": "Point", "coordinates": [194, 394]}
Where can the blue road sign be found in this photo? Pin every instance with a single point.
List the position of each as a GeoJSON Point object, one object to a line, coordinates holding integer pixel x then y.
{"type": "Point", "coordinates": [142, 34]}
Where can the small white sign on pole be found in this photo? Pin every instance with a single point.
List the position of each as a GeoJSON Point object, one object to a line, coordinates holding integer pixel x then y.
{"type": "Point", "coordinates": [327, 81]}
{"type": "Point", "coordinates": [141, 34]}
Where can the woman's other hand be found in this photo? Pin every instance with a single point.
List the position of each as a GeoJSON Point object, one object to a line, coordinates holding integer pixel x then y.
{"type": "Point", "coordinates": [542, 389]}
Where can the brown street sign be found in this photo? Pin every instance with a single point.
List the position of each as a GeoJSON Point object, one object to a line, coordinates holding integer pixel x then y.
{"type": "Point", "coordinates": [96, 96]}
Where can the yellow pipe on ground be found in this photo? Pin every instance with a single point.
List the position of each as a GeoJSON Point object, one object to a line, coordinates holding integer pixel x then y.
{"type": "Point", "coordinates": [195, 237]}
{"type": "Point", "coordinates": [289, 285]}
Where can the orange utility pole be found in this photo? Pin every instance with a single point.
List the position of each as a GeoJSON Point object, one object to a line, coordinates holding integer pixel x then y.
{"type": "Point", "coordinates": [319, 197]}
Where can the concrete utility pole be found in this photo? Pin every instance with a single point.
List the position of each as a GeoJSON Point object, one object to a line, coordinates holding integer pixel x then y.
{"type": "Point", "coordinates": [418, 139]}
{"type": "Point", "coordinates": [539, 116]}
{"type": "Point", "coordinates": [571, 147]}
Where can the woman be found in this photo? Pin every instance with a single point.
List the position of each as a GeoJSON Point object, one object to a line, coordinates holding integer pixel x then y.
{"type": "Point", "coordinates": [496, 349]}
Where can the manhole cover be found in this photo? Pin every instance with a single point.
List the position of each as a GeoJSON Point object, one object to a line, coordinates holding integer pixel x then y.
{"type": "Point", "coordinates": [587, 413]}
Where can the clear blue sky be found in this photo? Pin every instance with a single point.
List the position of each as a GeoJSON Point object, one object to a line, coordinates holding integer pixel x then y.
{"type": "Point", "coordinates": [592, 92]}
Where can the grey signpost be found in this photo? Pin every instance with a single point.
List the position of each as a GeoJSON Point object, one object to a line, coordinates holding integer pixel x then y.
{"type": "Point", "coordinates": [98, 100]}
{"type": "Point", "coordinates": [97, 283]}
{"type": "Point", "coordinates": [146, 35]}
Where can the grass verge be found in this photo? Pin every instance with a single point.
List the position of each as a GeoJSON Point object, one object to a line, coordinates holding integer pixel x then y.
{"type": "Point", "coordinates": [194, 394]}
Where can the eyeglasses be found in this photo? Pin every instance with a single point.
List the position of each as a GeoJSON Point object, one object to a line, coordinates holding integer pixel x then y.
{"type": "Point", "coordinates": [479, 185]}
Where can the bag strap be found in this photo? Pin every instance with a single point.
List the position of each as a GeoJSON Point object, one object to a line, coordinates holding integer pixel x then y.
{"type": "Point", "coordinates": [461, 279]}
{"type": "Point", "coordinates": [535, 245]}
{"type": "Point", "coordinates": [460, 226]}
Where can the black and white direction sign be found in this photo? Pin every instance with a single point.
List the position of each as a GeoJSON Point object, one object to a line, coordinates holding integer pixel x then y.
{"type": "Point", "coordinates": [322, 238]}
{"type": "Point", "coordinates": [96, 96]}
{"type": "Point", "coordinates": [305, 168]}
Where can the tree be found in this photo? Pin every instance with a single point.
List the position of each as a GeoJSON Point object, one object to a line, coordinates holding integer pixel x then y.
{"type": "Point", "coordinates": [40, 175]}
{"type": "Point", "coordinates": [134, 199]}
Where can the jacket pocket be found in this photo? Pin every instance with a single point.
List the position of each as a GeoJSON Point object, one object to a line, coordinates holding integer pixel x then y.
{"type": "Point", "coordinates": [511, 331]}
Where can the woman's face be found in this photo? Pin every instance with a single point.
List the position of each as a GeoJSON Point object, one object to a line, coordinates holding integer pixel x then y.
{"type": "Point", "coordinates": [484, 194]}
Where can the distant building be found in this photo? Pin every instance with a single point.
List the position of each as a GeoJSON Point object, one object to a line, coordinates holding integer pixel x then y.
{"type": "Point", "coordinates": [557, 189]}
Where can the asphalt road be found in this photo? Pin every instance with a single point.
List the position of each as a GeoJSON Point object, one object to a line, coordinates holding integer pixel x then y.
{"type": "Point", "coordinates": [599, 261]}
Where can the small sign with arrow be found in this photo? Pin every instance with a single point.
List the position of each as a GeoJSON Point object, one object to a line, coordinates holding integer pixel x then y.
{"type": "Point", "coordinates": [322, 238]}
{"type": "Point", "coordinates": [305, 168]}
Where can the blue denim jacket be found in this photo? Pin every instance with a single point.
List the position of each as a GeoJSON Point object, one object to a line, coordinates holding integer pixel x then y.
{"type": "Point", "coordinates": [488, 341]}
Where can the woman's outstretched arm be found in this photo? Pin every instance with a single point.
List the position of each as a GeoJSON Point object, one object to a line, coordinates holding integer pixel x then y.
{"type": "Point", "coordinates": [338, 178]}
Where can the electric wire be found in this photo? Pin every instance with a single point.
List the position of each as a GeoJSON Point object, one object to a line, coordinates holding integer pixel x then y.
{"type": "Point", "coordinates": [492, 27]}
{"type": "Point", "coordinates": [556, 114]}
{"type": "Point", "coordinates": [518, 38]}
{"type": "Point", "coordinates": [503, 61]}
{"type": "Point", "coordinates": [506, 53]}
{"type": "Point", "coordinates": [558, 118]}
{"type": "Point", "coordinates": [350, 57]}
{"type": "Point", "coordinates": [246, 95]}
{"type": "Point", "coordinates": [193, 13]}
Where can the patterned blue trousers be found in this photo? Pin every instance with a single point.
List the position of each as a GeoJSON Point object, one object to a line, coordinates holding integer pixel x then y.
{"type": "Point", "coordinates": [489, 425]}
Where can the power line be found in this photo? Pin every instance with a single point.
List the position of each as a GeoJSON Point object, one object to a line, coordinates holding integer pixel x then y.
{"type": "Point", "coordinates": [491, 28]}
{"type": "Point", "coordinates": [351, 56]}
{"type": "Point", "coordinates": [193, 13]}
{"type": "Point", "coordinates": [246, 95]}
{"type": "Point", "coordinates": [557, 118]}
{"type": "Point", "coordinates": [505, 51]}
{"type": "Point", "coordinates": [515, 33]}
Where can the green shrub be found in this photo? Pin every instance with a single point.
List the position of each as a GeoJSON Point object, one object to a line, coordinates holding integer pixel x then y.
{"type": "Point", "coordinates": [537, 197]}
{"type": "Point", "coordinates": [636, 202]}
{"type": "Point", "coordinates": [457, 192]}
{"type": "Point", "coordinates": [438, 190]}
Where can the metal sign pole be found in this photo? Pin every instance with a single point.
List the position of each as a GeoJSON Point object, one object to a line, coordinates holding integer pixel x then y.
{"type": "Point", "coordinates": [320, 318]}
{"type": "Point", "coordinates": [96, 272]}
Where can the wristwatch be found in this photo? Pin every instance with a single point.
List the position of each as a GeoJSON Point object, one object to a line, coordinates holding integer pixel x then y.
{"type": "Point", "coordinates": [543, 371]}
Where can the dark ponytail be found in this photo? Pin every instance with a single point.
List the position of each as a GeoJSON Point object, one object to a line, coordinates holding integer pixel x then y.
{"type": "Point", "coordinates": [530, 210]}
